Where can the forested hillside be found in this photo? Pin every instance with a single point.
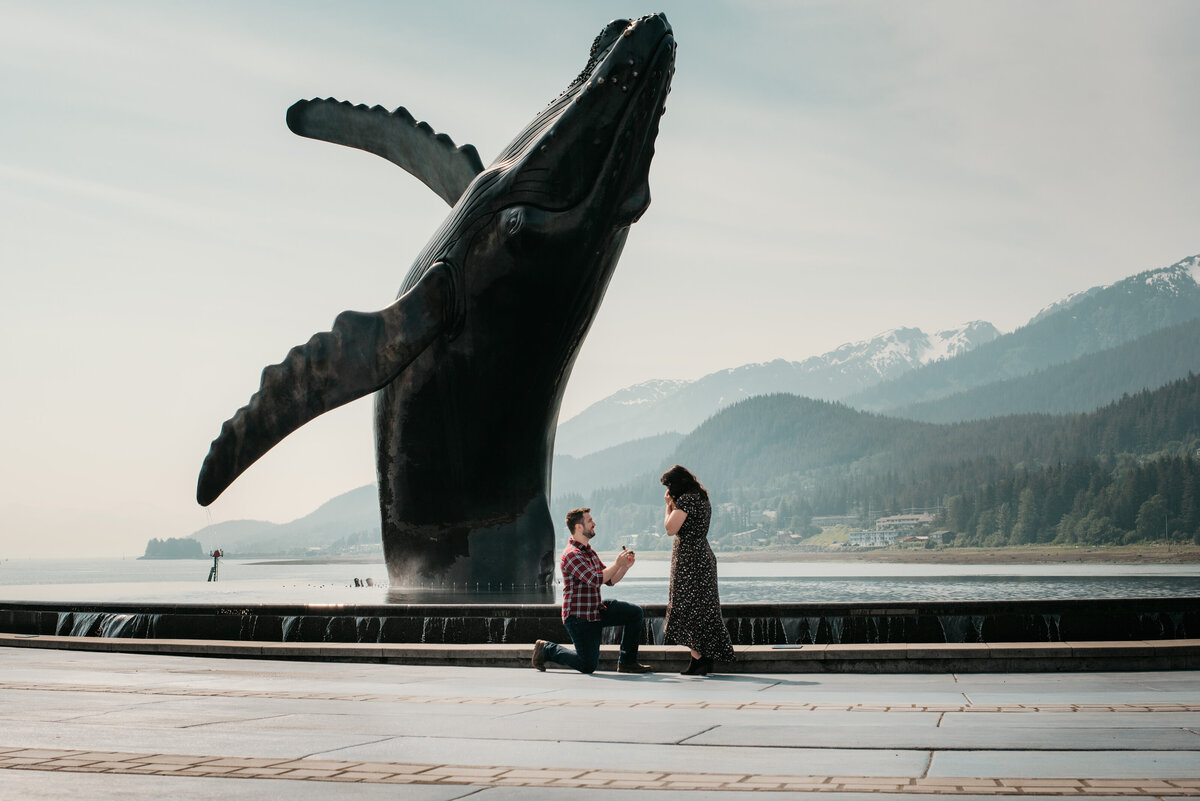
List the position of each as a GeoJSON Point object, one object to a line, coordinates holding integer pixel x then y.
{"type": "Point", "coordinates": [1024, 478]}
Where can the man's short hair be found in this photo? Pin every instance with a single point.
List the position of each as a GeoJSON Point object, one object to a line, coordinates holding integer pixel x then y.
{"type": "Point", "coordinates": [576, 516]}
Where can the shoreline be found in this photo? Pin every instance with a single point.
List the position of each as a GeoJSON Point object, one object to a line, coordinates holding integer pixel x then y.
{"type": "Point", "coordinates": [1016, 555]}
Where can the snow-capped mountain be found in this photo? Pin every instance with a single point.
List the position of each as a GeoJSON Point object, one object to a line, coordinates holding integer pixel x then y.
{"type": "Point", "coordinates": [901, 349]}
{"type": "Point", "coordinates": [659, 406]}
{"type": "Point", "coordinates": [1181, 277]}
{"type": "Point", "coordinates": [1088, 322]}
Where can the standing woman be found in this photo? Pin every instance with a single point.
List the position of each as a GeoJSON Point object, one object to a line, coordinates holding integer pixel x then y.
{"type": "Point", "coordinates": [693, 604]}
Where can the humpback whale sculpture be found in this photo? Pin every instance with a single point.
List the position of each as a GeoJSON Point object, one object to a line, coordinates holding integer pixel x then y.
{"type": "Point", "coordinates": [470, 363]}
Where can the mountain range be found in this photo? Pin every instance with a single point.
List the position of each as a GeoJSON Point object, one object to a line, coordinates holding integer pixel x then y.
{"type": "Point", "coordinates": [662, 406]}
{"type": "Point", "coordinates": [900, 369]}
{"type": "Point", "coordinates": [1100, 318]}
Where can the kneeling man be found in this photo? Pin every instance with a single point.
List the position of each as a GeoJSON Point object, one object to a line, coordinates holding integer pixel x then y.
{"type": "Point", "coordinates": [584, 614]}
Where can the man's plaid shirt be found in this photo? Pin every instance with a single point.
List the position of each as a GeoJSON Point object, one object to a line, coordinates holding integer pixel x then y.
{"type": "Point", "coordinates": [582, 573]}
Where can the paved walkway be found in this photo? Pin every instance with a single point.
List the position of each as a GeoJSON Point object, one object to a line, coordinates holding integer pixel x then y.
{"type": "Point", "coordinates": [137, 726]}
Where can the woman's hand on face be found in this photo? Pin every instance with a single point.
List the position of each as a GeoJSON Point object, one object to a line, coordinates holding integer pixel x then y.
{"type": "Point", "coordinates": [669, 501]}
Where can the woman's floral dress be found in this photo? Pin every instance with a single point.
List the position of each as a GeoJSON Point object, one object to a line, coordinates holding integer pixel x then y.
{"type": "Point", "coordinates": [693, 603]}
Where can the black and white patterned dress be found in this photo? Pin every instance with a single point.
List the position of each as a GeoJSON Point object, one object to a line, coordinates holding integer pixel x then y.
{"type": "Point", "coordinates": [693, 603]}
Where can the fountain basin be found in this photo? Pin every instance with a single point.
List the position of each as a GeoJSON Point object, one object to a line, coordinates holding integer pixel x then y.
{"type": "Point", "coordinates": [500, 622]}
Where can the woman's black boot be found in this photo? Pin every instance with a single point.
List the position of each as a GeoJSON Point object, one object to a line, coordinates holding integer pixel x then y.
{"type": "Point", "coordinates": [703, 666]}
{"type": "Point", "coordinates": [693, 668]}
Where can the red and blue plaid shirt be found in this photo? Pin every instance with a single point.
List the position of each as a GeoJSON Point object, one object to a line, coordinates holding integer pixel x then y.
{"type": "Point", "coordinates": [582, 573]}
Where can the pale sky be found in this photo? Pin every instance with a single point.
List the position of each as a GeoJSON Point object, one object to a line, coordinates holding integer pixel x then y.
{"type": "Point", "coordinates": [825, 172]}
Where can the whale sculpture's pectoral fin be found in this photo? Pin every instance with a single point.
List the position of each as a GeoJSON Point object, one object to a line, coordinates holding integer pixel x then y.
{"type": "Point", "coordinates": [362, 353]}
{"type": "Point", "coordinates": [395, 135]}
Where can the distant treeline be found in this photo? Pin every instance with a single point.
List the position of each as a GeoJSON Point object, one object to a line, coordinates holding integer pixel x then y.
{"type": "Point", "coordinates": [173, 548]}
{"type": "Point", "coordinates": [1124, 473]}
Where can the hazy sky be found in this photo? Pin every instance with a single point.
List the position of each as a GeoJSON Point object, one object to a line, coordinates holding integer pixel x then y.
{"type": "Point", "coordinates": [825, 171]}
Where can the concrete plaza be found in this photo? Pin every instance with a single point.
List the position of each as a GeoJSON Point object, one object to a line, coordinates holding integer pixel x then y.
{"type": "Point", "coordinates": [141, 726]}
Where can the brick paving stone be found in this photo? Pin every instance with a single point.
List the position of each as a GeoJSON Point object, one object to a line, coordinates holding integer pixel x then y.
{"type": "Point", "coordinates": [344, 776]}
{"type": "Point", "coordinates": [958, 780]}
{"type": "Point", "coordinates": [401, 779]}
{"type": "Point", "coordinates": [462, 770]}
{"type": "Point", "coordinates": [505, 781]}
{"type": "Point", "coordinates": [704, 778]}
{"type": "Point", "coordinates": [67, 762]}
{"type": "Point", "coordinates": [569, 783]}
{"type": "Point", "coordinates": [386, 767]}
{"type": "Point", "coordinates": [209, 770]}
{"type": "Point", "coordinates": [544, 773]}
{"type": "Point", "coordinates": [245, 762]}
{"type": "Point", "coordinates": [1130, 782]}
{"type": "Point", "coordinates": [405, 768]}
{"type": "Point", "coordinates": [327, 765]}
{"type": "Point", "coordinates": [177, 759]}
{"type": "Point", "coordinates": [167, 767]}
{"type": "Point", "coordinates": [975, 782]}
{"type": "Point", "coordinates": [12, 762]}
{"type": "Point", "coordinates": [1043, 782]}
{"type": "Point", "coordinates": [1050, 789]}
{"type": "Point", "coordinates": [256, 773]}
{"type": "Point", "coordinates": [198, 771]}
{"type": "Point", "coordinates": [298, 773]}
{"type": "Point", "coordinates": [41, 753]}
{"type": "Point", "coordinates": [621, 776]}
{"type": "Point", "coordinates": [111, 765]}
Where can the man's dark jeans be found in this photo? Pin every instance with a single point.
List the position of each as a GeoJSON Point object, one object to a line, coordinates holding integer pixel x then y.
{"type": "Point", "coordinates": [586, 636]}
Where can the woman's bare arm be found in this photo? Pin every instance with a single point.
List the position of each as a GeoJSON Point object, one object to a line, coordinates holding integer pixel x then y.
{"type": "Point", "coordinates": [673, 519]}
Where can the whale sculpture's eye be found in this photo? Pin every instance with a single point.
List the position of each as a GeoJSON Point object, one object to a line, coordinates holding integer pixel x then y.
{"type": "Point", "coordinates": [512, 220]}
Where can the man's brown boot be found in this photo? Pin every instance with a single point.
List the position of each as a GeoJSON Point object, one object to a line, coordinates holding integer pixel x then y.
{"type": "Point", "coordinates": [539, 655]}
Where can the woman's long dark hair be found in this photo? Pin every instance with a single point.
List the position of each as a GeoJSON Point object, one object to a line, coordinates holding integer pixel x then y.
{"type": "Point", "coordinates": [680, 481]}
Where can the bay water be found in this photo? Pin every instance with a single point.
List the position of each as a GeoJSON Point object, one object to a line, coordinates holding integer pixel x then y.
{"type": "Point", "coordinates": [134, 581]}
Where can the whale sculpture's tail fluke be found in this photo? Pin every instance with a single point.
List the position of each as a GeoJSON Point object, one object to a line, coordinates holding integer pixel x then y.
{"type": "Point", "coordinates": [394, 135]}
{"type": "Point", "coordinates": [359, 355]}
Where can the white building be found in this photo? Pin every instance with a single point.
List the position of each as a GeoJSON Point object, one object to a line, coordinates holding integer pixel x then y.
{"type": "Point", "coordinates": [903, 522]}
{"type": "Point", "coordinates": [873, 539]}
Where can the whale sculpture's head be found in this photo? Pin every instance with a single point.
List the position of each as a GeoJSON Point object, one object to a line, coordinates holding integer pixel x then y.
{"type": "Point", "coordinates": [591, 148]}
